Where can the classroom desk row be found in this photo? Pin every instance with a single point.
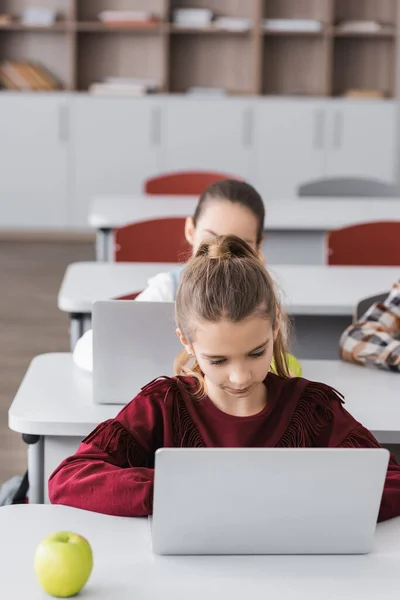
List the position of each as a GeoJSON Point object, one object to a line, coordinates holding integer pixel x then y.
{"type": "Point", "coordinates": [54, 408]}
{"type": "Point", "coordinates": [320, 299]}
{"type": "Point", "coordinates": [295, 229]}
{"type": "Point", "coordinates": [125, 567]}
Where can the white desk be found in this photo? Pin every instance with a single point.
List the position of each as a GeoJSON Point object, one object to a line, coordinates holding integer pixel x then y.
{"type": "Point", "coordinates": [126, 569]}
{"type": "Point", "coordinates": [322, 299]}
{"type": "Point", "coordinates": [84, 283]}
{"type": "Point", "coordinates": [54, 406]}
{"type": "Point", "coordinates": [295, 228]}
{"type": "Point", "coordinates": [371, 396]}
{"type": "Point", "coordinates": [54, 411]}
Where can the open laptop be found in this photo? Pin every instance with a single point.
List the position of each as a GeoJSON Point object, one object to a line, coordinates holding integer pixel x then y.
{"type": "Point", "coordinates": [133, 343]}
{"type": "Point", "coordinates": [266, 500]}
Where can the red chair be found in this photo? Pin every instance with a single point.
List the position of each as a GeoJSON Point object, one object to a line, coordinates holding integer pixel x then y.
{"type": "Point", "coordinates": [185, 183]}
{"type": "Point", "coordinates": [159, 240]}
{"type": "Point", "coordinates": [369, 244]}
{"type": "Point", "coordinates": [128, 296]}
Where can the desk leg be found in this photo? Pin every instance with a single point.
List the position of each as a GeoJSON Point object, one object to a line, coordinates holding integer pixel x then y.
{"type": "Point", "coordinates": [86, 322]}
{"type": "Point", "coordinates": [76, 328]}
{"type": "Point", "coordinates": [103, 243]}
{"type": "Point", "coordinates": [35, 468]}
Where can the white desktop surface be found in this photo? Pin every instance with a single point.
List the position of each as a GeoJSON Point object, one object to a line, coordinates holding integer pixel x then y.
{"type": "Point", "coordinates": [297, 214]}
{"type": "Point", "coordinates": [85, 282]}
{"type": "Point", "coordinates": [55, 397]}
{"type": "Point", "coordinates": [306, 289]}
{"type": "Point", "coordinates": [111, 212]}
{"type": "Point", "coordinates": [125, 568]}
{"type": "Point", "coordinates": [372, 396]}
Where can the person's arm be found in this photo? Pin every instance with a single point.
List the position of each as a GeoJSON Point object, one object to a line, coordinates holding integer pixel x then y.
{"type": "Point", "coordinates": [343, 431]}
{"type": "Point", "coordinates": [159, 289]}
{"type": "Point", "coordinates": [113, 470]}
{"type": "Point", "coordinates": [390, 503]}
{"type": "Point", "coordinates": [373, 339]}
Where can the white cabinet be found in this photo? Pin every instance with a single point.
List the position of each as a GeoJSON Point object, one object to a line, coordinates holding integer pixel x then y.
{"type": "Point", "coordinates": [208, 134]}
{"type": "Point", "coordinates": [116, 146]}
{"type": "Point", "coordinates": [302, 140]}
{"type": "Point", "coordinates": [361, 139]}
{"type": "Point", "coordinates": [57, 151]}
{"type": "Point", "coordinates": [289, 145]}
{"type": "Point", "coordinates": [33, 161]}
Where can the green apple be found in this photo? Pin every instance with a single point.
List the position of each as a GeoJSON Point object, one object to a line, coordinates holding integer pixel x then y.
{"type": "Point", "coordinates": [63, 563]}
{"type": "Point", "coordinates": [293, 364]}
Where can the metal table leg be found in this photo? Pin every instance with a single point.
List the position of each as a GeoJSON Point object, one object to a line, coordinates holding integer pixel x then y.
{"type": "Point", "coordinates": [35, 467]}
{"type": "Point", "coordinates": [86, 322]}
{"type": "Point", "coordinates": [76, 328]}
{"type": "Point", "coordinates": [103, 244]}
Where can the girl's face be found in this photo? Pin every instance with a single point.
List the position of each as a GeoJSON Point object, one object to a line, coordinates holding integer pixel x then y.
{"type": "Point", "coordinates": [221, 217]}
{"type": "Point", "coordinates": [235, 358]}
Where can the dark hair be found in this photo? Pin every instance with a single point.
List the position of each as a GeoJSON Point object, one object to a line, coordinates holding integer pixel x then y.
{"type": "Point", "coordinates": [237, 192]}
{"type": "Point", "coordinates": [226, 280]}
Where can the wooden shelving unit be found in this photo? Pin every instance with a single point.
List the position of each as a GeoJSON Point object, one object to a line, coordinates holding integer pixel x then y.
{"type": "Point", "coordinates": [80, 50]}
{"type": "Point", "coordinates": [367, 61]}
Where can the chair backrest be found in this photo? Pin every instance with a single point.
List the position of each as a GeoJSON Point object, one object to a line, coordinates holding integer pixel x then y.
{"type": "Point", "coordinates": [369, 244]}
{"type": "Point", "coordinates": [159, 240]}
{"type": "Point", "coordinates": [364, 304]}
{"type": "Point", "coordinates": [128, 296]}
{"type": "Point", "coordinates": [184, 183]}
{"type": "Point", "coordinates": [349, 186]}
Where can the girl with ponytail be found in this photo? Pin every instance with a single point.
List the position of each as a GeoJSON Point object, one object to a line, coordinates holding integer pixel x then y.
{"type": "Point", "coordinates": [231, 325]}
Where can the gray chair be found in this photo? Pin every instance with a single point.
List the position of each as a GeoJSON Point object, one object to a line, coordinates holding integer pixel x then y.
{"type": "Point", "coordinates": [364, 304]}
{"type": "Point", "coordinates": [349, 186]}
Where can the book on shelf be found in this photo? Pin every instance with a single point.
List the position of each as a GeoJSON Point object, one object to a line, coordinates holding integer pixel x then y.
{"type": "Point", "coordinates": [27, 77]}
{"type": "Point", "coordinates": [293, 25]}
{"type": "Point", "coordinates": [124, 86]}
{"type": "Point", "coordinates": [128, 18]}
{"type": "Point", "coordinates": [210, 92]}
{"type": "Point", "coordinates": [363, 27]}
{"type": "Point", "coordinates": [5, 19]}
{"type": "Point", "coordinates": [198, 18]}
{"type": "Point", "coordinates": [233, 23]}
{"type": "Point", "coordinates": [192, 17]}
{"type": "Point", "coordinates": [367, 94]}
{"type": "Point", "coordinates": [38, 17]}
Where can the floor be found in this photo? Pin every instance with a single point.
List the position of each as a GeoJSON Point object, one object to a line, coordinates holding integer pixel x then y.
{"type": "Point", "coordinates": [30, 323]}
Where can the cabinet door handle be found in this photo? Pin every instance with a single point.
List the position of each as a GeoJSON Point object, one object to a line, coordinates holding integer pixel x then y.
{"type": "Point", "coordinates": [155, 130]}
{"type": "Point", "coordinates": [337, 129]}
{"type": "Point", "coordinates": [63, 123]}
{"type": "Point", "coordinates": [319, 129]}
{"type": "Point", "coordinates": [247, 135]}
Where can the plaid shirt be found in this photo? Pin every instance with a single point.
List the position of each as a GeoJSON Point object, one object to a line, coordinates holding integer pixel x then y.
{"type": "Point", "coordinates": [374, 340]}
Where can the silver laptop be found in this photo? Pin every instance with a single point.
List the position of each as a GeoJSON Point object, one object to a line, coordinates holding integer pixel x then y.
{"type": "Point", "coordinates": [266, 500]}
{"type": "Point", "coordinates": [133, 343]}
